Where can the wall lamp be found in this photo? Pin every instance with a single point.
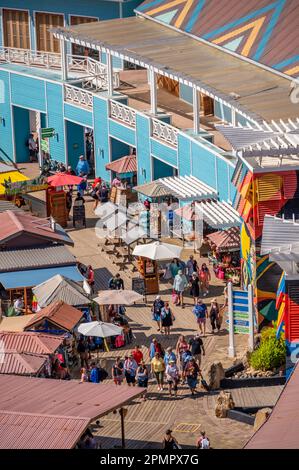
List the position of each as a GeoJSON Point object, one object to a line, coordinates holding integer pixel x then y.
{"type": "Point", "coordinates": [2, 120]}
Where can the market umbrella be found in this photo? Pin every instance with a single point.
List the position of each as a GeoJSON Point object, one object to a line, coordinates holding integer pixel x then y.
{"type": "Point", "coordinates": [63, 179]}
{"type": "Point", "coordinates": [158, 251]}
{"type": "Point", "coordinates": [100, 329]}
{"type": "Point", "coordinates": [118, 297]}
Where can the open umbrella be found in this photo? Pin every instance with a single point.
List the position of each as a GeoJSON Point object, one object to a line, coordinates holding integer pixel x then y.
{"type": "Point", "coordinates": [63, 179]}
{"type": "Point", "coordinates": [118, 297]}
{"type": "Point", "coordinates": [100, 329]}
{"type": "Point", "coordinates": [158, 251]}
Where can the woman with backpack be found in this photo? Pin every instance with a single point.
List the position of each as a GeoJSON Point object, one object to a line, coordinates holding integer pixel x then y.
{"type": "Point", "coordinates": [167, 319]}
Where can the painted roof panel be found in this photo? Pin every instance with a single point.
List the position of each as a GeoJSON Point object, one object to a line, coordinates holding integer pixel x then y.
{"type": "Point", "coordinates": [59, 313]}
{"type": "Point", "coordinates": [27, 342]}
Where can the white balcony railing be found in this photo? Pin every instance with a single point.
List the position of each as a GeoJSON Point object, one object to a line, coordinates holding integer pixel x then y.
{"type": "Point", "coordinates": [123, 113]}
{"type": "Point", "coordinates": [96, 71]}
{"type": "Point", "coordinates": [78, 96]}
{"type": "Point", "coordinates": [164, 132]}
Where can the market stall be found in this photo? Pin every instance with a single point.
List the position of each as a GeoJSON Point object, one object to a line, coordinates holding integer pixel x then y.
{"type": "Point", "coordinates": [57, 197]}
{"type": "Point", "coordinates": [225, 254]}
{"type": "Point", "coordinates": [124, 168]}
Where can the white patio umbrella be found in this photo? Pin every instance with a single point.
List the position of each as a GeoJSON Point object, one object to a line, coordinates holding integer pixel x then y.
{"type": "Point", "coordinates": [158, 251]}
{"type": "Point", "coordinates": [118, 297]}
{"type": "Point", "coordinates": [100, 329]}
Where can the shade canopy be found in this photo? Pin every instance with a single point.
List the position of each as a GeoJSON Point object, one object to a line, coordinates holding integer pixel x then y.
{"type": "Point", "coordinates": [158, 251]}
{"type": "Point", "coordinates": [118, 297]}
{"type": "Point", "coordinates": [33, 277]}
{"type": "Point", "coordinates": [123, 165]}
{"type": "Point", "coordinates": [60, 288]}
{"type": "Point", "coordinates": [99, 329]}
{"type": "Point", "coordinates": [63, 179]}
{"type": "Point", "coordinates": [155, 189]}
{"type": "Point", "coordinates": [226, 240]}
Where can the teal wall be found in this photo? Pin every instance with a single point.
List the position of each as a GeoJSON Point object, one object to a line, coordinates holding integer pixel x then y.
{"type": "Point", "coordinates": [28, 92]}
{"type": "Point", "coordinates": [184, 151]}
{"type": "Point", "coordinates": [75, 143]}
{"type": "Point", "coordinates": [186, 93]}
{"type": "Point", "coordinates": [122, 132]}
{"type": "Point", "coordinates": [161, 169]}
{"type": "Point", "coordinates": [165, 152]}
{"type": "Point", "coordinates": [222, 112]}
{"type": "Point", "coordinates": [6, 133]}
{"type": "Point", "coordinates": [21, 132]}
{"type": "Point", "coordinates": [203, 164]}
{"type": "Point", "coordinates": [118, 149]}
{"type": "Point", "coordinates": [101, 137]}
{"type": "Point", "coordinates": [78, 115]}
{"type": "Point", "coordinates": [55, 119]}
{"type": "Point", "coordinates": [142, 149]}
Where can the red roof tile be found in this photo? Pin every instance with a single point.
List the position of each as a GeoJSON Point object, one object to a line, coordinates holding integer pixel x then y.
{"type": "Point", "coordinates": [226, 239]}
{"type": "Point", "coordinates": [126, 164]}
{"type": "Point", "coordinates": [16, 223]}
{"type": "Point", "coordinates": [27, 342]}
{"type": "Point", "coordinates": [33, 431]}
{"type": "Point", "coordinates": [58, 313]}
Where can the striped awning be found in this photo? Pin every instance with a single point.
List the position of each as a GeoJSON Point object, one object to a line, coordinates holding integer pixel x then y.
{"type": "Point", "coordinates": [219, 214]}
{"type": "Point", "coordinates": [123, 165]}
{"type": "Point", "coordinates": [188, 187]}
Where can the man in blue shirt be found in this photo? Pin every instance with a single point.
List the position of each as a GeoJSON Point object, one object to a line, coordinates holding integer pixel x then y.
{"type": "Point", "coordinates": [82, 167]}
{"type": "Point", "coordinates": [201, 312]}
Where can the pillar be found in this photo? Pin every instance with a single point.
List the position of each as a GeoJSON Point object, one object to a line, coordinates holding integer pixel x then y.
{"type": "Point", "coordinates": [110, 74]}
{"type": "Point", "coordinates": [64, 63]}
{"type": "Point", "coordinates": [196, 111]}
{"type": "Point", "coordinates": [153, 90]}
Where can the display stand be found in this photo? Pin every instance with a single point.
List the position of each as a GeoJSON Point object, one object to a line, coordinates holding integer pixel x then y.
{"type": "Point", "coordinates": [148, 269]}
{"type": "Point", "coordinates": [56, 206]}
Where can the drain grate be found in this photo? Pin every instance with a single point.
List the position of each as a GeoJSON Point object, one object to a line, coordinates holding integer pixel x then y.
{"type": "Point", "coordinates": [187, 427]}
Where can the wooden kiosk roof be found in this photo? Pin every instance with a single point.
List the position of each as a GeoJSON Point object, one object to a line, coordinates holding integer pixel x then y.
{"type": "Point", "coordinates": [255, 92]}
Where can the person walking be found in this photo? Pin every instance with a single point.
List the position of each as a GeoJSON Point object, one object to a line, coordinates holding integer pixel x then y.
{"type": "Point", "coordinates": [203, 441]}
{"type": "Point", "coordinates": [118, 371]}
{"type": "Point", "coordinates": [214, 315]}
{"type": "Point", "coordinates": [158, 369]}
{"type": "Point", "coordinates": [116, 282]}
{"type": "Point", "coordinates": [156, 311]}
{"type": "Point", "coordinates": [181, 347]}
{"type": "Point", "coordinates": [142, 377]}
{"type": "Point", "coordinates": [170, 442]}
{"type": "Point", "coordinates": [174, 267]}
{"type": "Point", "coordinates": [179, 285]}
{"type": "Point", "coordinates": [82, 349]}
{"type": "Point", "coordinates": [196, 348]}
{"type": "Point", "coordinates": [192, 267]}
{"type": "Point", "coordinates": [172, 376]}
{"type": "Point", "coordinates": [194, 290]}
{"type": "Point", "coordinates": [205, 278]}
{"type": "Point", "coordinates": [130, 368]}
{"type": "Point", "coordinates": [155, 347]}
{"type": "Point", "coordinates": [82, 168]}
{"type": "Point", "coordinates": [169, 355]}
{"type": "Point", "coordinates": [201, 312]}
{"type": "Point", "coordinates": [192, 372]}
{"type": "Point", "coordinates": [167, 319]}
{"type": "Point", "coordinates": [137, 354]}
{"type": "Point", "coordinates": [90, 278]}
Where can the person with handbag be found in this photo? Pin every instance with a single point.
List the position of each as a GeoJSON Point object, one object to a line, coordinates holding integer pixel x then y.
{"type": "Point", "coordinates": [179, 285]}
{"type": "Point", "coordinates": [172, 376]}
{"type": "Point", "coordinates": [167, 319]}
{"type": "Point", "coordinates": [156, 311]}
{"type": "Point", "coordinates": [214, 315]}
{"type": "Point", "coordinates": [192, 372]}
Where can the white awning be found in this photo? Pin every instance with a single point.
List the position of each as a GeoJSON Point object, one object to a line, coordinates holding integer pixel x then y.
{"type": "Point", "coordinates": [188, 187]}
{"type": "Point", "coordinates": [219, 214]}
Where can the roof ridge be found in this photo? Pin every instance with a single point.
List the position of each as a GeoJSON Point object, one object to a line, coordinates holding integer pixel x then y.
{"type": "Point", "coordinates": [13, 216]}
{"type": "Point", "coordinates": [45, 415]}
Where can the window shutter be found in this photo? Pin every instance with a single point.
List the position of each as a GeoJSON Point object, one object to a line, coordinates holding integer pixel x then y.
{"type": "Point", "coordinates": [268, 207]}
{"type": "Point", "coordinates": [290, 182]}
{"type": "Point", "coordinates": [293, 313]}
{"type": "Point", "coordinates": [16, 29]}
{"type": "Point", "coordinates": [269, 187]}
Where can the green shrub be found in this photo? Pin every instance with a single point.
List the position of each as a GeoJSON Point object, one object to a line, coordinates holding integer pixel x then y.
{"type": "Point", "coordinates": [271, 352]}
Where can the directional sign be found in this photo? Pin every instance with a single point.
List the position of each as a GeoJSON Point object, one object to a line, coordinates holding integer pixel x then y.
{"type": "Point", "coordinates": [45, 145]}
{"type": "Point", "coordinates": [47, 132]}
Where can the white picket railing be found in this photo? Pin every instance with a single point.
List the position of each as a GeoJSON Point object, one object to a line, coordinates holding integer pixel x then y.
{"type": "Point", "coordinates": [51, 60]}
{"type": "Point", "coordinates": [78, 96]}
{"type": "Point", "coordinates": [122, 113]}
{"type": "Point", "coordinates": [165, 132]}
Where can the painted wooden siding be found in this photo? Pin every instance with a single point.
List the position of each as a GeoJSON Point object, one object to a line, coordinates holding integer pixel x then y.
{"type": "Point", "coordinates": [118, 149]}
{"type": "Point", "coordinates": [184, 157]}
{"type": "Point", "coordinates": [121, 132]}
{"type": "Point", "coordinates": [142, 148]}
{"type": "Point", "coordinates": [101, 137]}
{"type": "Point", "coordinates": [223, 179]}
{"type": "Point", "coordinates": [55, 119]}
{"type": "Point", "coordinates": [78, 115]}
{"type": "Point", "coordinates": [6, 134]}
{"type": "Point", "coordinates": [164, 152]}
{"type": "Point", "coordinates": [186, 93]}
{"type": "Point", "coordinates": [203, 164]}
{"type": "Point", "coordinates": [28, 92]}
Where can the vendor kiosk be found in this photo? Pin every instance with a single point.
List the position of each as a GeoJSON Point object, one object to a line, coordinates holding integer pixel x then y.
{"type": "Point", "coordinates": [148, 270]}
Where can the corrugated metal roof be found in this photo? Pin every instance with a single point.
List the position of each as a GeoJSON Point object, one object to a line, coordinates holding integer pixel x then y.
{"type": "Point", "coordinates": [65, 398]}
{"type": "Point", "coordinates": [60, 288]}
{"type": "Point", "coordinates": [126, 164]}
{"type": "Point", "coordinates": [59, 313]}
{"type": "Point", "coordinates": [27, 342]}
{"type": "Point", "coordinates": [278, 233]}
{"type": "Point", "coordinates": [281, 430]}
{"type": "Point", "coordinates": [42, 257]}
{"type": "Point", "coordinates": [226, 239]}
{"type": "Point", "coordinates": [16, 363]}
{"type": "Point", "coordinates": [33, 431]}
{"type": "Point", "coordinates": [15, 223]}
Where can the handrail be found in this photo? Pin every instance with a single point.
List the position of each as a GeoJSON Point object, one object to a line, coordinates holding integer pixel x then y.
{"type": "Point", "coordinates": [78, 96]}
{"type": "Point", "coordinates": [121, 112]}
{"type": "Point", "coordinates": [165, 132]}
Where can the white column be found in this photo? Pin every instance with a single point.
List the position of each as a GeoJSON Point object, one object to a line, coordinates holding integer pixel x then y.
{"type": "Point", "coordinates": [234, 121]}
{"type": "Point", "coordinates": [153, 90]}
{"type": "Point", "coordinates": [231, 348]}
{"type": "Point", "coordinates": [196, 111]}
{"type": "Point", "coordinates": [250, 318]}
{"type": "Point", "coordinates": [63, 50]}
{"type": "Point", "coordinates": [109, 73]}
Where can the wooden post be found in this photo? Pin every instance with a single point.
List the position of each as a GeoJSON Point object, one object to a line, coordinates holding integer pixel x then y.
{"type": "Point", "coordinates": [153, 91]}
{"type": "Point", "coordinates": [250, 318]}
{"type": "Point", "coordinates": [231, 349]}
{"type": "Point", "coordinates": [122, 420]}
{"type": "Point", "coordinates": [106, 345]}
{"type": "Point", "coordinates": [25, 300]}
{"type": "Point", "coordinates": [196, 111]}
{"type": "Point", "coordinates": [109, 73]}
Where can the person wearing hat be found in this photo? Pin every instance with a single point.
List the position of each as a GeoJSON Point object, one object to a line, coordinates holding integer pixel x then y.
{"type": "Point", "coordinates": [196, 348]}
{"type": "Point", "coordinates": [156, 311]}
{"type": "Point", "coordinates": [214, 315]}
{"type": "Point", "coordinates": [82, 167]}
{"type": "Point", "coordinates": [179, 285]}
{"type": "Point", "coordinates": [169, 355]}
{"type": "Point", "coordinates": [142, 377]}
{"type": "Point", "coordinates": [201, 312]}
{"type": "Point", "coordinates": [172, 376]}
